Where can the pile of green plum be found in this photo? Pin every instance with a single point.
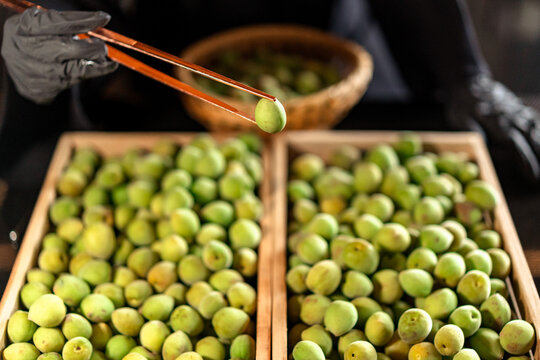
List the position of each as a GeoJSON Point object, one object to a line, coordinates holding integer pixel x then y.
{"type": "Point", "coordinates": [150, 255]}
{"type": "Point", "coordinates": [283, 75]}
{"type": "Point", "coordinates": [392, 255]}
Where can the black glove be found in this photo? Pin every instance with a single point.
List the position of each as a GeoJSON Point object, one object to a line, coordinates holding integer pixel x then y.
{"type": "Point", "coordinates": [487, 106]}
{"type": "Point", "coordinates": [43, 57]}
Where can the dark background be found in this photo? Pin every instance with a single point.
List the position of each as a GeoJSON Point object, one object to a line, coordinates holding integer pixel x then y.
{"type": "Point", "coordinates": [509, 34]}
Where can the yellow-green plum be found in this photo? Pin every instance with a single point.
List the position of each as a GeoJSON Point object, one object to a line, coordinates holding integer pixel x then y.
{"type": "Point", "coordinates": [441, 303]}
{"type": "Point", "coordinates": [312, 248]}
{"type": "Point", "coordinates": [396, 348]}
{"type": "Point", "coordinates": [245, 261]}
{"type": "Point", "coordinates": [95, 272]}
{"type": "Point", "coordinates": [346, 339]}
{"type": "Point", "coordinates": [393, 237]}
{"type": "Point", "coordinates": [222, 280]}
{"type": "Point", "coordinates": [496, 312]}
{"type": "Point", "coordinates": [97, 308]}
{"type": "Point", "coordinates": [19, 328]}
{"type": "Point", "coordinates": [101, 333]}
{"type": "Point", "coordinates": [428, 211]}
{"type": "Point", "coordinates": [362, 256]}
{"type": "Point", "coordinates": [386, 287]}
{"type": "Point", "coordinates": [367, 177]}
{"type": "Point", "coordinates": [307, 350]}
{"type": "Point", "coordinates": [22, 351]}
{"type": "Point", "coordinates": [365, 307]}
{"type": "Point", "coordinates": [422, 258]}
{"type": "Point", "coordinates": [190, 355]}
{"type": "Point", "coordinates": [487, 344]}
{"type": "Point", "coordinates": [243, 348]}
{"type": "Point", "coordinates": [474, 287]}
{"type": "Point", "coordinates": [48, 340]}
{"type": "Point", "coordinates": [384, 156]}
{"type": "Point", "coordinates": [479, 260]}
{"type": "Point", "coordinates": [356, 284]}
{"type": "Point", "coordinates": [47, 311]}
{"type": "Point", "coordinates": [211, 303]}
{"type": "Point", "coordinates": [243, 296]}
{"type": "Point", "coordinates": [379, 328]}
{"type": "Point", "coordinates": [340, 317]}
{"type": "Point", "coordinates": [53, 260]}
{"type": "Point", "coordinates": [466, 354]}
{"type": "Point", "coordinates": [324, 277]}
{"type": "Point", "coordinates": [424, 351]}
{"type": "Point", "coordinates": [360, 350]}
{"type": "Point", "coordinates": [136, 292]}
{"type": "Point", "coordinates": [191, 269]}
{"type": "Point", "coordinates": [162, 275]}
{"type": "Point", "coordinates": [449, 340]}
{"type": "Point", "coordinates": [319, 336]}
{"type": "Point", "coordinates": [185, 223]}
{"type": "Point", "coordinates": [468, 318]}
{"type": "Point", "coordinates": [40, 276]}
{"type": "Point", "coordinates": [78, 348]}
{"type": "Point", "coordinates": [127, 321]}
{"type": "Point", "coordinates": [157, 307]}
{"type": "Point", "coordinates": [230, 322]}
{"type": "Point", "coordinates": [313, 309]}
{"type": "Point", "coordinates": [380, 206]}
{"type": "Point", "coordinates": [414, 326]}
{"type": "Point", "coordinates": [436, 238]}
{"type": "Point", "coordinates": [270, 116]}
{"type": "Point", "coordinates": [75, 325]}
{"type": "Point", "coordinates": [245, 233]}
{"type": "Point", "coordinates": [114, 292]}
{"type": "Point", "coordinates": [187, 319]}
{"type": "Point", "coordinates": [482, 194]}
{"type": "Point", "coordinates": [449, 269]}
{"type": "Point", "coordinates": [501, 263]}
{"type": "Point", "coordinates": [517, 337]}
{"type": "Point", "coordinates": [176, 344]}
{"type": "Point", "coordinates": [416, 282]}
{"type": "Point", "coordinates": [153, 334]}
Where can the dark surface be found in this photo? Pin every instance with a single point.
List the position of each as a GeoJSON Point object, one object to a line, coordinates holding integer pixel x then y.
{"type": "Point", "coordinates": [523, 199]}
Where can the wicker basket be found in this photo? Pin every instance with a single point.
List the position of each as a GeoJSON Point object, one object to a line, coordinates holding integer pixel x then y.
{"type": "Point", "coordinates": [320, 110]}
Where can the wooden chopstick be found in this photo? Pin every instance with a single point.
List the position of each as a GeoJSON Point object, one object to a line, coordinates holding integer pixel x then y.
{"type": "Point", "coordinates": [119, 39]}
{"type": "Point", "coordinates": [136, 65]}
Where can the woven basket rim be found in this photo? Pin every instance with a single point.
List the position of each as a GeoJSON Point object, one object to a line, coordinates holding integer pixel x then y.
{"type": "Point", "coordinates": [362, 69]}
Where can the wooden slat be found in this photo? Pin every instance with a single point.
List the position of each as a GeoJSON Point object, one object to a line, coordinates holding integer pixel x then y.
{"type": "Point", "coordinates": [266, 254]}
{"type": "Point", "coordinates": [279, 288]}
{"type": "Point", "coordinates": [115, 144]}
{"type": "Point", "coordinates": [322, 143]}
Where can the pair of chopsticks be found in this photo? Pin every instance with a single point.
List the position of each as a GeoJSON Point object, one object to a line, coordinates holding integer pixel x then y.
{"type": "Point", "coordinates": [136, 65]}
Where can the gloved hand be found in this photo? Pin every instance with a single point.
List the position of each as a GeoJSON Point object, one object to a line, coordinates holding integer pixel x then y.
{"type": "Point", "coordinates": [43, 57]}
{"type": "Point", "coordinates": [487, 106]}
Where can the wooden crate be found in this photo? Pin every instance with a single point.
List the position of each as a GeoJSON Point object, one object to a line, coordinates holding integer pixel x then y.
{"type": "Point", "coordinates": [524, 296]}
{"type": "Point", "coordinates": [110, 144]}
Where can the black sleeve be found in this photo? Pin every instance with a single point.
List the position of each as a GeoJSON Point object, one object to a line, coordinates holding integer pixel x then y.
{"type": "Point", "coordinates": [434, 42]}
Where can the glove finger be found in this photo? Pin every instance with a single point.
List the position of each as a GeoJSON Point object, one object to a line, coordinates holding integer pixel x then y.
{"type": "Point", "coordinates": [36, 21]}
{"type": "Point", "coordinates": [60, 48]}
{"type": "Point", "coordinates": [76, 70]}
